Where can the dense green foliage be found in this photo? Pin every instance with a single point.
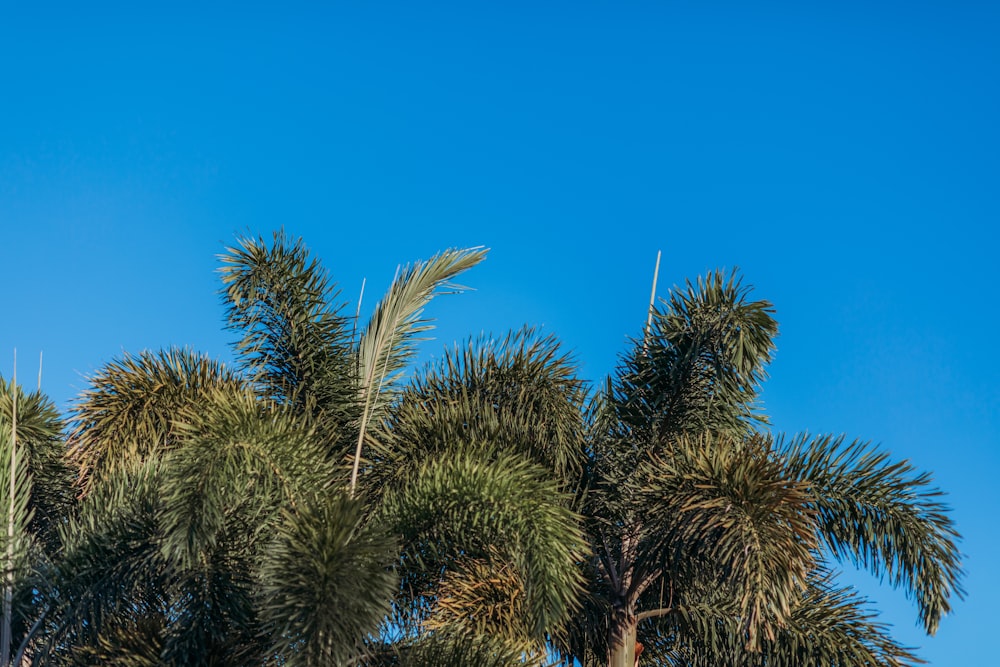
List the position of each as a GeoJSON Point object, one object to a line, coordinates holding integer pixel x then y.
{"type": "Point", "coordinates": [315, 506]}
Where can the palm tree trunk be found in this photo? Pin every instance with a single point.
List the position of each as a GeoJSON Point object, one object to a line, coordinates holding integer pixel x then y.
{"type": "Point", "coordinates": [623, 642]}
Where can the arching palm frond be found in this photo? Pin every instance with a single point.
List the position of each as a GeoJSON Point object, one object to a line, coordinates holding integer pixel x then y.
{"type": "Point", "coordinates": [727, 503]}
{"type": "Point", "coordinates": [700, 366]}
{"type": "Point", "coordinates": [388, 341]}
{"type": "Point", "coordinates": [882, 515]}
{"type": "Point", "coordinates": [518, 394]}
{"type": "Point", "coordinates": [482, 597]}
{"type": "Point", "coordinates": [295, 345]}
{"type": "Point", "coordinates": [236, 460]}
{"type": "Point", "coordinates": [128, 411]}
{"type": "Point", "coordinates": [506, 512]}
{"type": "Point", "coordinates": [829, 626]}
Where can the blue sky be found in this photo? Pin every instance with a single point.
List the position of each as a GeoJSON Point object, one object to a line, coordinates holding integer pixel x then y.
{"type": "Point", "coordinates": [843, 155]}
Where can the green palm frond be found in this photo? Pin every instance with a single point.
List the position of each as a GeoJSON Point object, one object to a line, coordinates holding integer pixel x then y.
{"type": "Point", "coordinates": [236, 457]}
{"type": "Point", "coordinates": [43, 450]}
{"type": "Point", "coordinates": [457, 506]}
{"type": "Point", "coordinates": [518, 394]}
{"type": "Point", "coordinates": [829, 626]}
{"type": "Point", "coordinates": [388, 341]}
{"type": "Point", "coordinates": [700, 366]}
{"type": "Point", "coordinates": [128, 411]}
{"type": "Point", "coordinates": [327, 581]}
{"type": "Point", "coordinates": [295, 344]}
{"type": "Point", "coordinates": [727, 502]}
{"type": "Point", "coordinates": [882, 515]}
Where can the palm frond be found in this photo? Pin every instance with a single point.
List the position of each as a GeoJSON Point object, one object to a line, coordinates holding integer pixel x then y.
{"type": "Point", "coordinates": [388, 342]}
{"type": "Point", "coordinates": [239, 458]}
{"type": "Point", "coordinates": [829, 626]}
{"type": "Point", "coordinates": [482, 597]}
{"type": "Point", "coordinates": [128, 411]}
{"type": "Point", "coordinates": [882, 515]}
{"type": "Point", "coordinates": [516, 394]}
{"type": "Point", "coordinates": [700, 366]}
{"type": "Point", "coordinates": [295, 344]}
{"type": "Point", "coordinates": [458, 506]}
{"type": "Point", "coordinates": [726, 502]}
{"type": "Point", "coordinates": [327, 581]}
{"type": "Point", "coordinates": [40, 441]}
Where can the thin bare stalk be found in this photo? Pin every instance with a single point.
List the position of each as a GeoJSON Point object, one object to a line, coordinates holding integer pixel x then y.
{"type": "Point", "coordinates": [652, 297]}
{"type": "Point", "coordinates": [364, 419]}
{"type": "Point", "coordinates": [8, 587]}
{"type": "Point", "coordinates": [357, 313]}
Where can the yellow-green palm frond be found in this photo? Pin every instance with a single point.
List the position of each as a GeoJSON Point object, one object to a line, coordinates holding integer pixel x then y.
{"type": "Point", "coordinates": [128, 411]}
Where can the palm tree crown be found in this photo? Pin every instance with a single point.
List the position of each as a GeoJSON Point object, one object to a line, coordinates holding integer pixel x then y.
{"type": "Point", "coordinates": [313, 505]}
{"type": "Point", "coordinates": [712, 540]}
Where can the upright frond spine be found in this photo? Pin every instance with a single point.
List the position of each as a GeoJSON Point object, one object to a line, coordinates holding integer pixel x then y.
{"type": "Point", "coordinates": [8, 586]}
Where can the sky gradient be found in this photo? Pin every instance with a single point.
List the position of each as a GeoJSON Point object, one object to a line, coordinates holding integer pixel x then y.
{"type": "Point", "coordinates": [844, 156]}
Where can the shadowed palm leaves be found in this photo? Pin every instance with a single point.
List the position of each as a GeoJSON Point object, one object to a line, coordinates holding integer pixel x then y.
{"type": "Point", "coordinates": [508, 547]}
{"type": "Point", "coordinates": [328, 581]}
{"type": "Point", "coordinates": [295, 347]}
{"type": "Point", "coordinates": [710, 540]}
{"type": "Point", "coordinates": [827, 625]}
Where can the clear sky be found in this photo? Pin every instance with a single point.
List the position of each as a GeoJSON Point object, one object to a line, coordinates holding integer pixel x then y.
{"type": "Point", "coordinates": [843, 155]}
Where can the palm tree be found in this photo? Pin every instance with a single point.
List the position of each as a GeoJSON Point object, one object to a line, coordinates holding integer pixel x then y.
{"type": "Point", "coordinates": [712, 540]}
{"type": "Point", "coordinates": [310, 507]}
{"type": "Point", "coordinates": [242, 516]}
{"type": "Point", "coordinates": [38, 499]}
